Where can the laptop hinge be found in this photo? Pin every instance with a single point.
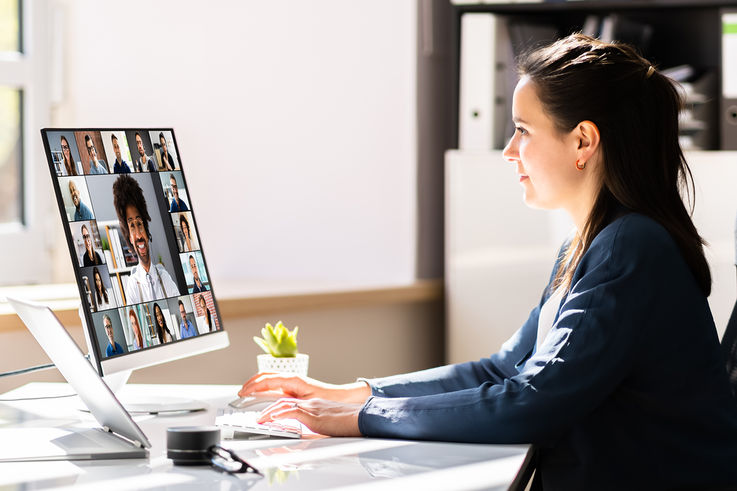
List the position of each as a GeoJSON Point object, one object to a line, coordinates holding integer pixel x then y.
{"type": "Point", "coordinates": [107, 429]}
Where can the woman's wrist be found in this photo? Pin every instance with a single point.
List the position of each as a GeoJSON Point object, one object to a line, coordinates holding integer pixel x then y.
{"type": "Point", "coordinates": [356, 392]}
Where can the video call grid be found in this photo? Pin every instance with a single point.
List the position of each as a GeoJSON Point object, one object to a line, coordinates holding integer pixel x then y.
{"type": "Point", "coordinates": [164, 162]}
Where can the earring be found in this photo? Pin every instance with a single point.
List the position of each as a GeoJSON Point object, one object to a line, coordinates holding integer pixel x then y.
{"type": "Point", "coordinates": [580, 166]}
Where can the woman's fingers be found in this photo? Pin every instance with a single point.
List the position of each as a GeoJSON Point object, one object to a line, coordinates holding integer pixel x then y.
{"type": "Point", "coordinates": [290, 385]}
{"type": "Point", "coordinates": [321, 416]}
{"type": "Point", "coordinates": [281, 409]}
{"type": "Point", "coordinates": [262, 382]}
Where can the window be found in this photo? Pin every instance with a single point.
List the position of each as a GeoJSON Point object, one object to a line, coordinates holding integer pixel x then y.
{"type": "Point", "coordinates": [24, 109]}
{"type": "Point", "coordinates": [11, 209]}
{"type": "Point", "coordinates": [10, 120]}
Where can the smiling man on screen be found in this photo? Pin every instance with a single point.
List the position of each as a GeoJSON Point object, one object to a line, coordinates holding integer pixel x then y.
{"type": "Point", "coordinates": [147, 281]}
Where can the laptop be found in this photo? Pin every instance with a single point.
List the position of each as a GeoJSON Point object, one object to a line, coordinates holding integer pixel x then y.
{"type": "Point", "coordinates": [118, 437]}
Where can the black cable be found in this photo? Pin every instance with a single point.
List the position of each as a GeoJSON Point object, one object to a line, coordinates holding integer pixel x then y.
{"type": "Point", "coordinates": [27, 370]}
{"type": "Point", "coordinates": [31, 369]}
{"type": "Point", "coordinates": [34, 369]}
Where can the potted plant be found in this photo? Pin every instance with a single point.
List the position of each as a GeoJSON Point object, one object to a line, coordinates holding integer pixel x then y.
{"type": "Point", "coordinates": [280, 346]}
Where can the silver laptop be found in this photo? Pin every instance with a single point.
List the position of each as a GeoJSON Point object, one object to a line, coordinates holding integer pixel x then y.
{"type": "Point", "coordinates": [119, 436]}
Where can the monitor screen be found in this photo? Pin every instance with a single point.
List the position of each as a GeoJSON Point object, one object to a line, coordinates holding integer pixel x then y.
{"type": "Point", "coordinates": [134, 244]}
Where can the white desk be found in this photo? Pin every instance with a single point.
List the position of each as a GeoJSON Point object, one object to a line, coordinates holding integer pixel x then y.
{"type": "Point", "coordinates": [325, 463]}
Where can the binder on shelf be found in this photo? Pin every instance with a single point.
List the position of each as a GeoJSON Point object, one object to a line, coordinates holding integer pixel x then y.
{"type": "Point", "coordinates": [486, 63]}
{"type": "Point", "coordinates": [120, 291]}
{"type": "Point", "coordinates": [591, 26]}
{"type": "Point", "coordinates": [698, 118]}
{"type": "Point", "coordinates": [728, 119]}
{"type": "Point", "coordinates": [112, 261]}
{"type": "Point", "coordinates": [616, 27]}
{"type": "Point", "coordinates": [115, 247]}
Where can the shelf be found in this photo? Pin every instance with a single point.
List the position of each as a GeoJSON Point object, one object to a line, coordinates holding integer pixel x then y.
{"type": "Point", "coordinates": [594, 6]}
{"type": "Point", "coordinates": [239, 300]}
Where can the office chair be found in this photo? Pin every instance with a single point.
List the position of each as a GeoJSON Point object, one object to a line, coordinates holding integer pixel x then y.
{"type": "Point", "coordinates": [729, 345]}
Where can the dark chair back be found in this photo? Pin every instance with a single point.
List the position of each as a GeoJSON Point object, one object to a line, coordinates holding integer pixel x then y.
{"type": "Point", "coordinates": [729, 345]}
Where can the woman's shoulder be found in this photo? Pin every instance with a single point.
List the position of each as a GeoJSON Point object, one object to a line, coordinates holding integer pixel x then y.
{"type": "Point", "coordinates": [633, 236]}
{"type": "Point", "coordinates": [634, 227]}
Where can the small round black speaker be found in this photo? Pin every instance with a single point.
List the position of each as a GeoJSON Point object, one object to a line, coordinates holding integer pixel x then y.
{"type": "Point", "coordinates": [189, 445]}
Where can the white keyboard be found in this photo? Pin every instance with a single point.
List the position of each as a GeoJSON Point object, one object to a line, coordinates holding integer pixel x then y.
{"type": "Point", "coordinates": [243, 425]}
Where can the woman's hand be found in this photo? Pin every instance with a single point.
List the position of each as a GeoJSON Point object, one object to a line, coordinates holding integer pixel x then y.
{"type": "Point", "coordinates": [299, 387]}
{"type": "Point", "coordinates": [319, 415]}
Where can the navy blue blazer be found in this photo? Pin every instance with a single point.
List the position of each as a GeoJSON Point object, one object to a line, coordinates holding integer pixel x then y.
{"type": "Point", "coordinates": [628, 391]}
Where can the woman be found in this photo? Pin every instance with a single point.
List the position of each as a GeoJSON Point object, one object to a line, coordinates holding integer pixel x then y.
{"type": "Point", "coordinates": [184, 225]}
{"type": "Point", "coordinates": [66, 153]}
{"type": "Point", "coordinates": [617, 376]}
{"type": "Point", "coordinates": [162, 330]}
{"type": "Point", "coordinates": [167, 161]}
{"type": "Point", "coordinates": [137, 338]}
{"type": "Point", "coordinates": [102, 297]}
{"type": "Point", "coordinates": [207, 314]}
{"type": "Point", "coordinates": [91, 257]}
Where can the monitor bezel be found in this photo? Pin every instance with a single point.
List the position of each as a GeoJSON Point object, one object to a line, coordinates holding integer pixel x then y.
{"type": "Point", "coordinates": [164, 352]}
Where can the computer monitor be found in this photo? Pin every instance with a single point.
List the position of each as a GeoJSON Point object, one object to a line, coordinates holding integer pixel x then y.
{"type": "Point", "coordinates": [146, 291]}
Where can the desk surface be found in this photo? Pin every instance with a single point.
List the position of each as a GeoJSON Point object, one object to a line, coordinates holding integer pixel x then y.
{"type": "Point", "coordinates": [324, 463]}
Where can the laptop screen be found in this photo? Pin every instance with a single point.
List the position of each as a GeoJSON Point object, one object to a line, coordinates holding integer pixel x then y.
{"type": "Point", "coordinates": [132, 236]}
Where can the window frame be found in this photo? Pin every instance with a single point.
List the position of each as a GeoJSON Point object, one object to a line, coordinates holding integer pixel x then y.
{"type": "Point", "coordinates": [25, 247]}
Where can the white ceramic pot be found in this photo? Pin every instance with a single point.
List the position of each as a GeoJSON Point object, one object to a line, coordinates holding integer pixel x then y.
{"type": "Point", "coordinates": [297, 364]}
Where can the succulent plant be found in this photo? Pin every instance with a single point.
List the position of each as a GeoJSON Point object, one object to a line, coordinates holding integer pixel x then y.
{"type": "Point", "coordinates": [278, 341]}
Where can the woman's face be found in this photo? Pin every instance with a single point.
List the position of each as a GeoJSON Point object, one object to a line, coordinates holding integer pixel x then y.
{"type": "Point", "coordinates": [185, 229]}
{"type": "Point", "coordinates": [87, 240]}
{"type": "Point", "coordinates": [202, 303]}
{"type": "Point", "coordinates": [545, 158]}
{"type": "Point", "coordinates": [65, 149]}
{"type": "Point", "coordinates": [134, 324]}
{"type": "Point", "coordinates": [159, 317]}
{"type": "Point", "coordinates": [98, 282]}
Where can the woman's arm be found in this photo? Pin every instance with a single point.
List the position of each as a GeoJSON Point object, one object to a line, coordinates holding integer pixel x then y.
{"type": "Point", "coordinates": [495, 369]}
{"type": "Point", "coordinates": [593, 345]}
{"type": "Point", "coordinates": [451, 378]}
{"type": "Point", "coordinates": [299, 387]}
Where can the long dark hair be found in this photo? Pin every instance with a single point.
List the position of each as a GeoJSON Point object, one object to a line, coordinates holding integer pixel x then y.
{"type": "Point", "coordinates": [71, 169]}
{"type": "Point", "coordinates": [95, 274]}
{"type": "Point", "coordinates": [579, 78]}
{"type": "Point", "coordinates": [159, 328]}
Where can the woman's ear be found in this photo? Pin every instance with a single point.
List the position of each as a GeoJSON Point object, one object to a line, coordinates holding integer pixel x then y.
{"type": "Point", "coordinates": [588, 139]}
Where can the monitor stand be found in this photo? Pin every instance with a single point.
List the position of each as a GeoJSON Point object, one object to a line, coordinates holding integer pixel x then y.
{"type": "Point", "coordinates": [149, 404]}
{"type": "Point", "coordinates": [134, 404]}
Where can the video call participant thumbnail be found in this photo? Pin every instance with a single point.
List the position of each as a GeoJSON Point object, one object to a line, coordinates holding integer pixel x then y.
{"type": "Point", "coordinates": [81, 211]}
{"type": "Point", "coordinates": [113, 348]}
{"type": "Point", "coordinates": [197, 285]}
{"type": "Point", "coordinates": [162, 327]}
{"type": "Point", "coordinates": [147, 281]}
{"type": "Point", "coordinates": [209, 319]}
{"type": "Point", "coordinates": [185, 232]}
{"type": "Point", "coordinates": [120, 166]}
{"type": "Point", "coordinates": [136, 328]}
{"type": "Point", "coordinates": [90, 257]}
{"type": "Point", "coordinates": [97, 165]}
{"type": "Point", "coordinates": [66, 152]}
{"type": "Point", "coordinates": [177, 204]}
{"type": "Point", "coordinates": [167, 159]}
{"type": "Point", "coordinates": [186, 329]}
{"type": "Point", "coordinates": [102, 295]}
{"type": "Point", "coordinates": [143, 163]}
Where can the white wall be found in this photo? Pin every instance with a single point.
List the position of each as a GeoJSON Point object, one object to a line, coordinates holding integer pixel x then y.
{"type": "Point", "coordinates": [295, 122]}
